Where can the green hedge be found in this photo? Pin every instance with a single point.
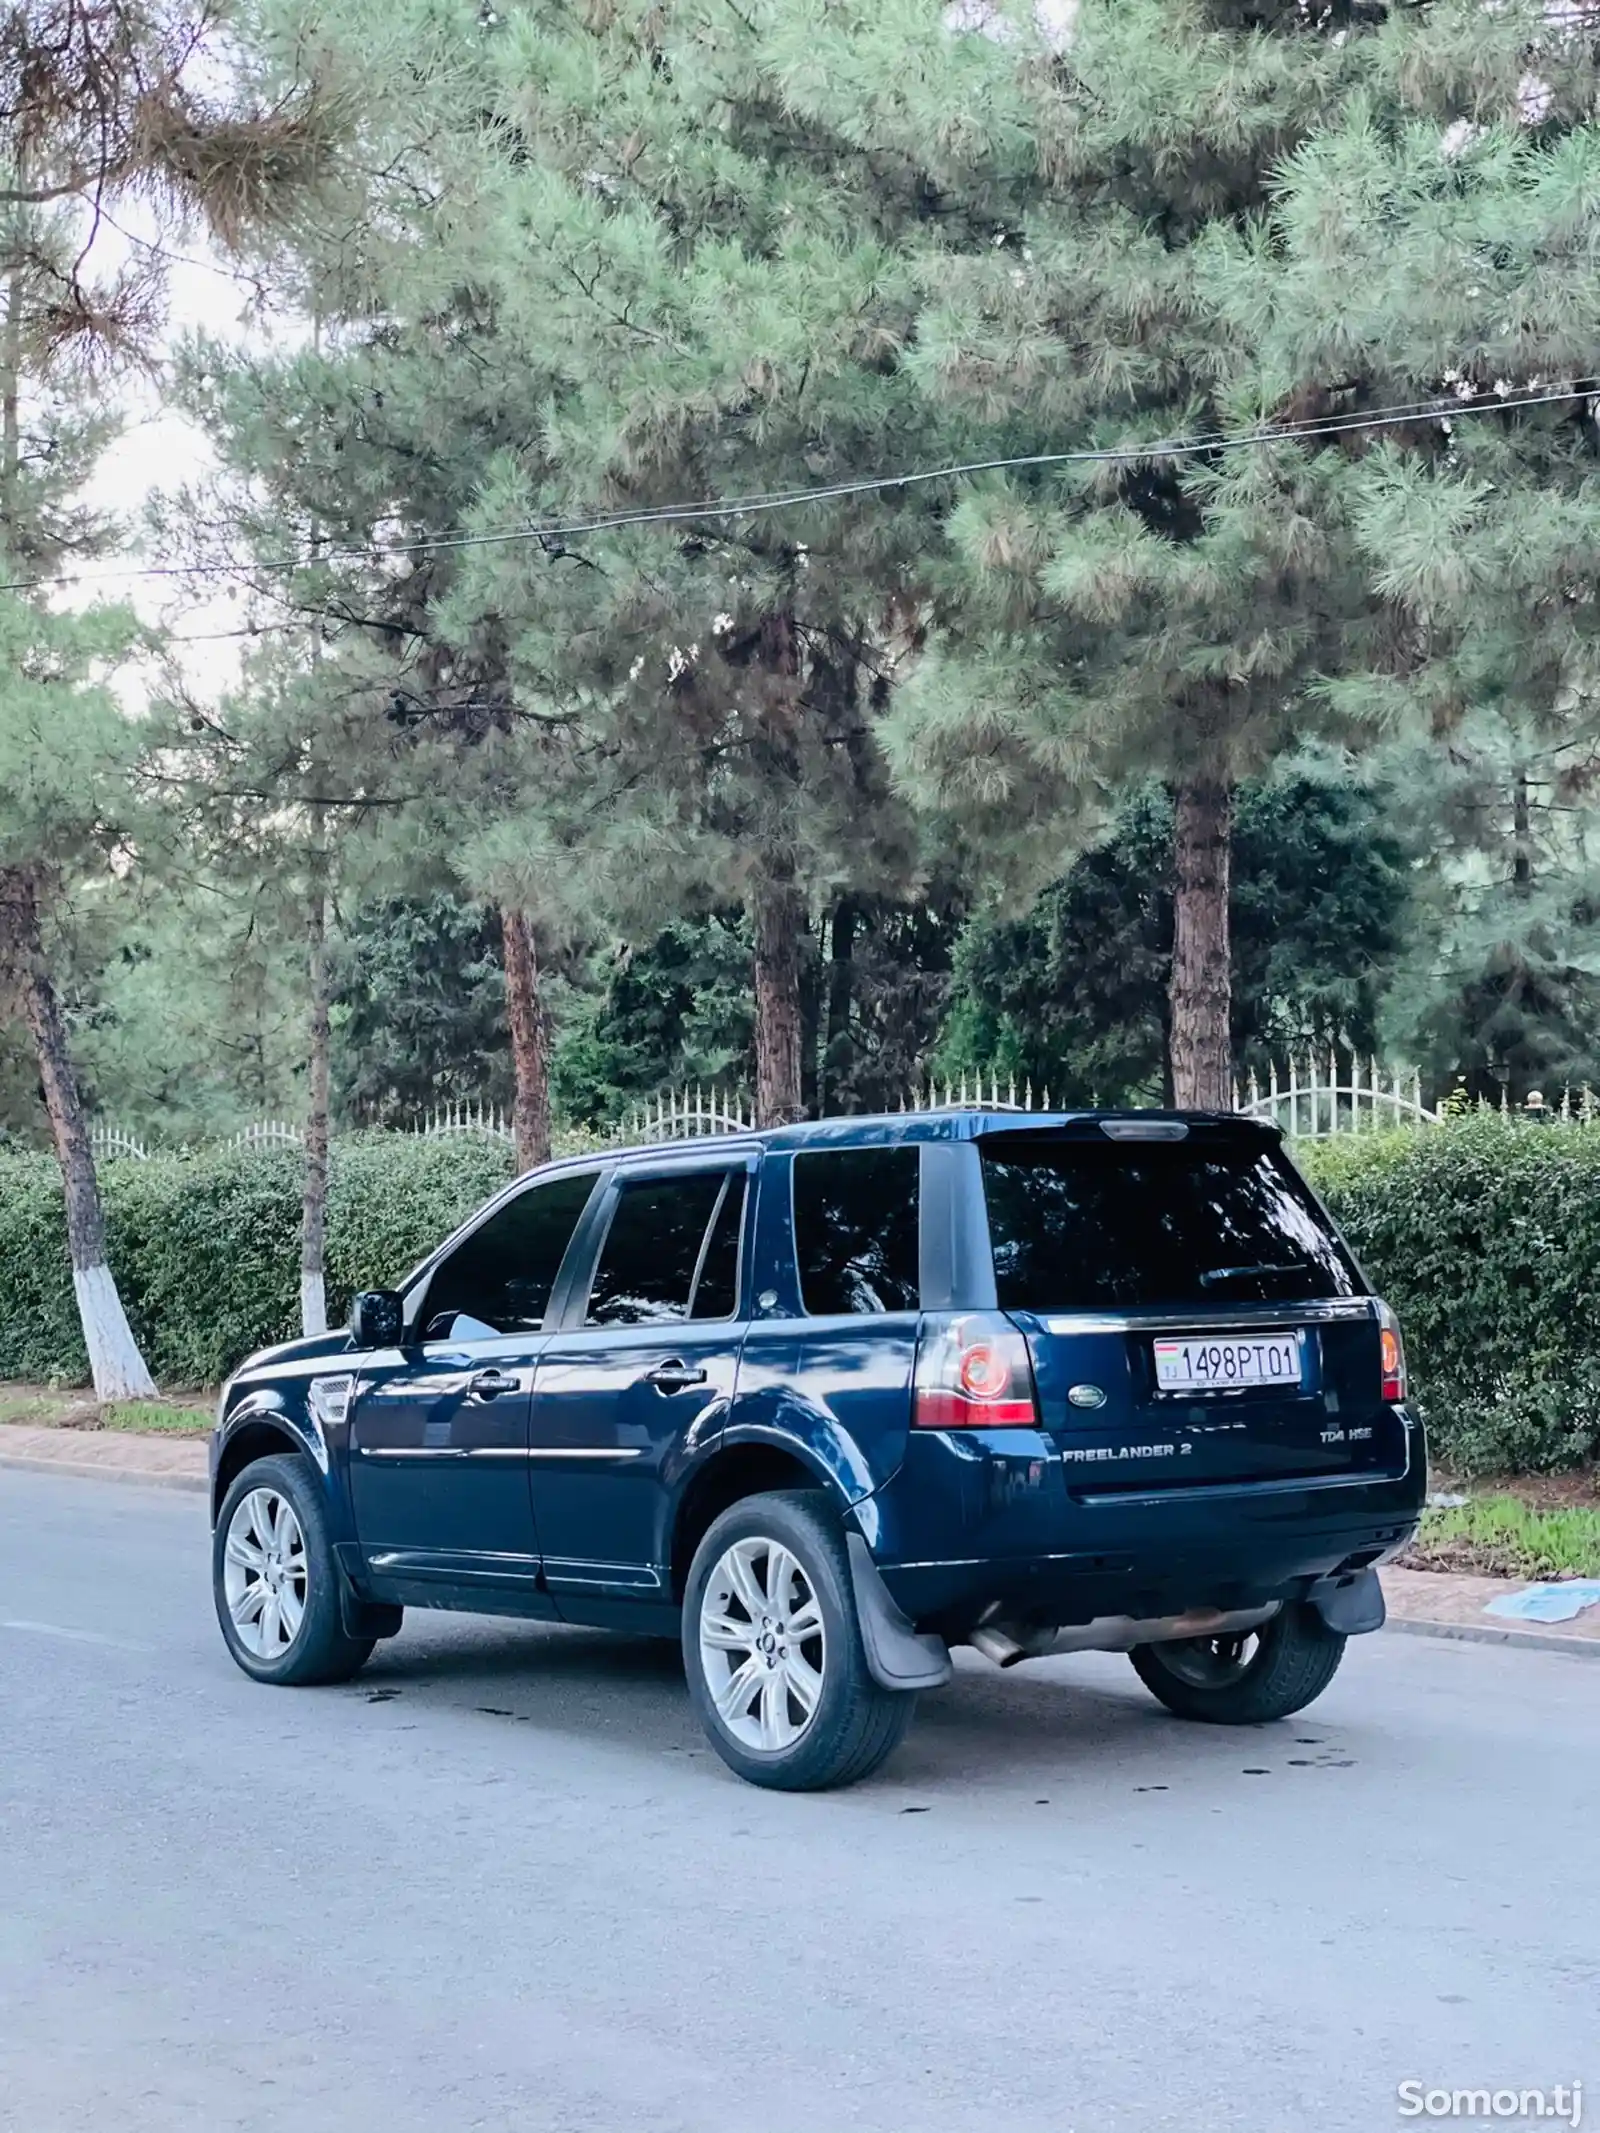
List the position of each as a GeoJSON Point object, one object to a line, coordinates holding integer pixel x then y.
{"type": "Point", "coordinates": [206, 1250]}
{"type": "Point", "coordinates": [1485, 1236]}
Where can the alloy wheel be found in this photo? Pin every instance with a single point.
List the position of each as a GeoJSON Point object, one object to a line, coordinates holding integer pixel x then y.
{"type": "Point", "coordinates": [762, 1646]}
{"type": "Point", "coordinates": [264, 1574]}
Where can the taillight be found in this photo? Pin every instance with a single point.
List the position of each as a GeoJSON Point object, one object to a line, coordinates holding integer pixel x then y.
{"type": "Point", "coordinates": [1392, 1349]}
{"type": "Point", "coordinates": [973, 1372]}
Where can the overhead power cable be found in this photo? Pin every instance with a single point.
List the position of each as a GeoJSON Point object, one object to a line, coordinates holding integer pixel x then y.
{"type": "Point", "coordinates": [1436, 410]}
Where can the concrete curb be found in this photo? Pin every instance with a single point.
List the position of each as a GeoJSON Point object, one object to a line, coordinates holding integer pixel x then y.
{"type": "Point", "coordinates": [94, 1470]}
{"type": "Point", "coordinates": [1405, 1601]}
{"type": "Point", "coordinates": [1454, 1603]}
{"type": "Point", "coordinates": [1532, 1640]}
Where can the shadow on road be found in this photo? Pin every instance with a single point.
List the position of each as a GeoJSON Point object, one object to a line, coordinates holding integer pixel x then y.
{"type": "Point", "coordinates": [1062, 1723]}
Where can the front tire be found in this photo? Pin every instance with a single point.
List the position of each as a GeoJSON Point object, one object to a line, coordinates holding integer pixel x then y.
{"type": "Point", "coordinates": [1244, 1681]}
{"type": "Point", "coordinates": [773, 1653]}
{"type": "Point", "coordinates": [275, 1581]}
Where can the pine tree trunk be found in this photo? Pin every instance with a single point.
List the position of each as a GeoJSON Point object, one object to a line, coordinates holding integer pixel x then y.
{"type": "Point", "coordinates": [530, 1051]}
{"type": "Point", "coordinates": [10, 419]}
{"type": "Point", "coordinates": [778, 918]}
{"type": "Point", "coordinates": [314, 1207]}
{"type": "Point", "coordinates": [115, 1363]}
{"type": "Point", "coordinates": [841, 974]}
{"type": "Point", "coordinates": [1521, 836]}
{"type": "Point", "coordinates": [1202, 1049]}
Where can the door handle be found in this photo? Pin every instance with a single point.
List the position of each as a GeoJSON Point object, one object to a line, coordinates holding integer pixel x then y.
{"type": "Point", "coordinates": [674, 1376]}
{"type": "Point", "coordinates": [489, 1384]}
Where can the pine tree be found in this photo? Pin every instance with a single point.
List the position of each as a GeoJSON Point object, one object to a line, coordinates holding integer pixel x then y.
{"type": "Point", "coordinates": [384, 432]}
{"type": "Point", "coordinates": [66, 753]}
{"type": "Point", "coordinates": [1446, 237]}
{"type": "Point", "coordinates": [290, 788]}
{"type": "Point", "coordinates": [1101, 242]}
{"type": "Point", "coordinates": [99, 103]}
{"type": "Point", "coordinates": [706, 307]}
{"type": "Point", "coordinates": [1074, 996]}
{"type": "Point", "coordinates": [418, 993]}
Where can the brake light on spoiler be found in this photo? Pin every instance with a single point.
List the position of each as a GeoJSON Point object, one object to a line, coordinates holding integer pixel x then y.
{"type": "Point", "coordinates": [973, 1372]}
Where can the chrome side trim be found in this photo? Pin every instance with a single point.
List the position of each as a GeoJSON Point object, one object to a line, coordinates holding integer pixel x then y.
{"type": "Point", "coordinates": [1212, 1319]}
{"type": "Point", "coordinates": [499, 1451]}
{"type": "Point", "coordinates": [620, 1577]}
{"type": "Point", "coordinates": [584, 1451]}
{"type": "Point", "coordinates": [412, 1451]}
{"type": "Point", "coordinates": [455, 1564]}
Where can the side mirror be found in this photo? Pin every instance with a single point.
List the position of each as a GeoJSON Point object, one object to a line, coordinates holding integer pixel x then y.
{"type": "Point", "coordinates": [377, 1319]}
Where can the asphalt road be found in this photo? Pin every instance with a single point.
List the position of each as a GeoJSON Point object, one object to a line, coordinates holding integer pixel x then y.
{"type": "Point", "coordinates": [498, 1882]}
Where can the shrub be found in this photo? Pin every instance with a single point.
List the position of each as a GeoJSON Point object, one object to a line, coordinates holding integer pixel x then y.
{"type": "Point", "coordinates": [205, 1246]}
{"type": "Point", "coordinates": [1485, 1236]}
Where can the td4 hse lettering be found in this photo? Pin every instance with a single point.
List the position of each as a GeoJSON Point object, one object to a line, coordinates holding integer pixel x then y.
{"type": "Point", "coordinates": [1344, 1436]}
{"type": "Point", "coordinates": [1123, 1451]}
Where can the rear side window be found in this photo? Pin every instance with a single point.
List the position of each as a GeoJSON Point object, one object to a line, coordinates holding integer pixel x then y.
{"type": "Point", "coordinates": [1093, 1224]}
{"type": "Point", "coordinates": [716, 1293]}
{"type": "Point", "coordinates": [664, 1235]}
{"type": "Point", "coordinates": [855, 1230]}
{"type": "Point", "coordinates": [503, 1273]}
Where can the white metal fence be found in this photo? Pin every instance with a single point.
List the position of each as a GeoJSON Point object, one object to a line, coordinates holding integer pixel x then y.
{"type": "Point", "coordinates": [1311, 1098]}
{"type": "Point", "coordinates": [108, 1142]}
{"type": "Point", "coordinates": [688, 1113]}
{"type": "Point", "coordinates": [487, 1120]}
{"type": "Point", "coordinates": [268, 1133]}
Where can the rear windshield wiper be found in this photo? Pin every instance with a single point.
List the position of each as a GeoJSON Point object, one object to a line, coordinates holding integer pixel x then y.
{"type": "Point", "coordinates": [1219, 1274]}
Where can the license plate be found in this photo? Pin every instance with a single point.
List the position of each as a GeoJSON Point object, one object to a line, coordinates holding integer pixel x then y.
{"type": "Point", "coordinates": [1194, 1365]}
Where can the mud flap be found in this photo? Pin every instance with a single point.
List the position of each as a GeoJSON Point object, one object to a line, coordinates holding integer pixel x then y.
{"type": "Point", "coordinates": [367, 1618]}
{"type": "Point", "coordinates": [898, 1657]}
{"type": "Point", "coordinates": [1352, 1605]}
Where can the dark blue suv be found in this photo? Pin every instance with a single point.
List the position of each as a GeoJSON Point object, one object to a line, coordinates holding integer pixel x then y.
{"type": "Point", "coordinates": [825, 1401]}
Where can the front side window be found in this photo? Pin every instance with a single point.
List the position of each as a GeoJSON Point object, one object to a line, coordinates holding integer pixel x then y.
{"type": "Point", "coordinates": [503, 1273]}
{"type": "Point", "coordinates": [667, 1253]}
{"type": "Point", "coordinates": [1083, 1224]}
{"type": "Point", "coordinates": [855, 1230]}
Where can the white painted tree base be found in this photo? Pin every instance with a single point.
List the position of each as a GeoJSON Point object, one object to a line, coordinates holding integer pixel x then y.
{"type": "Point", "coordinates": [115, 1363]}
{"type": "Point", "coordinates": [313, 1305]}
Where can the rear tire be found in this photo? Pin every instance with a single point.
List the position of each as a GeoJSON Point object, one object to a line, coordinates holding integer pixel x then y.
{"type": "Point", "coordinates": [275, 1581]}
{"type": "Point", "coordinates": [773, 1653]}
{"type": "Point", "coordinates": [1244, 1681]}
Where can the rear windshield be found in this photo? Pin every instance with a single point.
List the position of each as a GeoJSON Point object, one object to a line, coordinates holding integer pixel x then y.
{"type": "Point", "coordinates": [1094, 1224]}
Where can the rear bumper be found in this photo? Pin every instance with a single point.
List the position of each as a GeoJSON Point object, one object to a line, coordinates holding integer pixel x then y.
{"type": "Point", "coordinates": [1046, 1557]}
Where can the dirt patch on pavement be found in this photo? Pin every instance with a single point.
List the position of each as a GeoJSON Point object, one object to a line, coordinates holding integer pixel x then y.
{"type": "Point", "coordinates": [179, 1414]}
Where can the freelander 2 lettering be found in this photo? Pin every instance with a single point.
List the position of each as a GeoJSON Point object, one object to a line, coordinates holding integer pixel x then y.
{"type": "Point", "coordinates": [1121, 1451]}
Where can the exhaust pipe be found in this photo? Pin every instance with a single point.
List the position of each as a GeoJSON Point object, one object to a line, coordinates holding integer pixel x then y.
{"type": "Point", "coordinates": [1008, 1644]}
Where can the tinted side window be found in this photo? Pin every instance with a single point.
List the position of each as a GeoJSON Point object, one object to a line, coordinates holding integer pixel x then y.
{"type": "Point", "coordinates": [716, 1293]}
{"type": "Point", "coordinates": [855, 1229]}
{"type": "Point", "coordinates": [1080, 1224]}
{"type": "Point", "coordinates": [504, 1272]}
{"type": "Point", "coordinates": [652, 1249]}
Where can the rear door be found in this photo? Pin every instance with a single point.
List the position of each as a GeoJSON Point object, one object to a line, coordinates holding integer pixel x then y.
{"type": "Point", "coordinates": [624, 1399]}
{"type": "Point", "coordinates": [1192, 1316]}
